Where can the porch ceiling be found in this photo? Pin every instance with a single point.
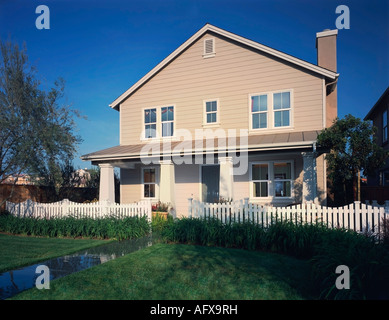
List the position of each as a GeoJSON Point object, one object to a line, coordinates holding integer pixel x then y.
{"type": "Point", "coordinates": [257, 142]}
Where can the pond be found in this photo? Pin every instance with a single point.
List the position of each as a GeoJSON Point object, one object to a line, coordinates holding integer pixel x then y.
{"type": "Point", "coordinates": [15, 281]}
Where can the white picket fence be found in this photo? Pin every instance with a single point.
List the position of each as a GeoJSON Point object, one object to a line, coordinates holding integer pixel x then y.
{"type": "Point", "coordinates": [355, 216]}
{"type": "Point", "coordinates": [66, 208]}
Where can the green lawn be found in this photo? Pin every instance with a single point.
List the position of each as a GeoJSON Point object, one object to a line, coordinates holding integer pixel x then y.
{"type": "Point", "coordinates": [167, 271]}
{"type": "Point", "coordinates": [19, 251]}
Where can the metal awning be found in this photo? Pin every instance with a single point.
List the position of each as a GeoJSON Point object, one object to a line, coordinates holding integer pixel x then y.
{"type": "Point", "coordinates": [251, 143]}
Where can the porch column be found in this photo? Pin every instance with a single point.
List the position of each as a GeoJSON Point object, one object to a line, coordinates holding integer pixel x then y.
{"type": "Point", "coordinates": [167, 182]}
{"type": "Point", "coordinates": [309, 177]}
{"type": "Point", "coordinates": [107, 183]}
{"type": "Point", "coordinates": [226, 178]}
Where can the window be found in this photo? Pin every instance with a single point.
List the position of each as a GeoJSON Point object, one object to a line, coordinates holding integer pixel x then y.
{"type": "Point", "coordinates": [270, 110]}
{"type": "Point", "coordinates": [259, 111]}
{"type": "Point", "coordinates": [385, 126]}
{"type": "Point", "coordinates": [271, 179]}
{"type": "Point", "coordinates": [260, 178]}
{"type": "Point", "coordinates": [150, 123]}
{"type": "Point", "coordinates": [158, 122]}
{"type": "Point", "coordinates": [149, 182]}
{"type": "Point", "coordinates": [282, 179]}
{"type": "Point", "coordinates": [281, 107]}
{"type": "Point", "coordinates": [211, 112]}
{"type": "Point", "coordinates": [167, 120]}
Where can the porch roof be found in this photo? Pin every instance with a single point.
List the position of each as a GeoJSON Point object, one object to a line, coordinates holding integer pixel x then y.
{"type": "Point", "coordinates": [257, 142]}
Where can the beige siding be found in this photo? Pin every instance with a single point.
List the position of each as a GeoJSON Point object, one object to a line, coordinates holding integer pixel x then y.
{"type": "Point", "coordinates": [187, 185]}
{"type": "Point", "coordinates": [130, 185]}
{"type": "Point", "coordinates": [233, 74]}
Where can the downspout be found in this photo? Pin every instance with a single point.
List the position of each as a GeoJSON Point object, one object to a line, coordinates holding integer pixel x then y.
{"type": "Point", "coordinates": [315, 199]}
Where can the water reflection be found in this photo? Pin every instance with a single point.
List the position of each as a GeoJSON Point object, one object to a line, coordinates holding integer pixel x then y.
{"type": "Point", "coordinates": [15, 281]}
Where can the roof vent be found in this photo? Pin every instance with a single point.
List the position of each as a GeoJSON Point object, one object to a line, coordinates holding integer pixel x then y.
{"type": "Point", "coordinates": [209, 48]}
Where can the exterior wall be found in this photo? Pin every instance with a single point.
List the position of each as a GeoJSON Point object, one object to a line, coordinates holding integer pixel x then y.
{"type": "Point", "coordinates": [230, 76]}
{"type": "Point", "coordinates": [382, 176]}
{"type": "Point", "coordinates": [187, 186]}
{"type": "Point", "coordinates": [130, 185]}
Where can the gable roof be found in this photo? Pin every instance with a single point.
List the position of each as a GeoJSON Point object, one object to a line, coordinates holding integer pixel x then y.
{"type": "Point", "coordinates": [370, 114]}
{"type": "Point", "coordinates": [252, 44]}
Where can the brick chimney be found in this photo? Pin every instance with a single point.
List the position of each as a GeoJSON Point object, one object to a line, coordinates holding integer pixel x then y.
{"type": "Point", "coordinates": [326, 58]}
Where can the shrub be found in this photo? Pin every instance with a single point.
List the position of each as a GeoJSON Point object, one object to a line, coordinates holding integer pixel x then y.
{"type": "Point", "coordinates": [367, 260]}
{"type": "Point", "coordinates": [106, 228]}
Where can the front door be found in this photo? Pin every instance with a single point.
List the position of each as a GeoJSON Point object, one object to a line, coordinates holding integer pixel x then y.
{"type": "Point", "coordinates": [210, 176]}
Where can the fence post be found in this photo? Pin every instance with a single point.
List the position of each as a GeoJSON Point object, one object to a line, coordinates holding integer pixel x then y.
{"type": "Point", "coordinates": [387, 206]}
{"type": "Point", "coordinates": [246, 208]}
{"type": "Point", "coordinates": [190, 200]}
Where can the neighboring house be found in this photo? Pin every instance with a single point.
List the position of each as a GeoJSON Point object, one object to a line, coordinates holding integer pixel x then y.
{"type": "Point", "coordinates": [80, 178]}
{"type": "Point", "coordinates": [379, 115]}
{"type": "Point", "coordinates": [20, 179]}
{"type": "Point", "coordinates": [218, 81]}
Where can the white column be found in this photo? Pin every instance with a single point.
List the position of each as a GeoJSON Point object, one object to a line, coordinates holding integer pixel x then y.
{"type": "Point", "coordinates": [226, 178]}
{"type": "Point", "coordinates": [167, 182]}
{"type": "Point", "coordinates": [309, 177]}
{"type": "Point", "coordinates": [107, 183]}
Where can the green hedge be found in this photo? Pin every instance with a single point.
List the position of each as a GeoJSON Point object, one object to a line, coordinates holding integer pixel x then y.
{"type": "Point", "coordinates": [106, 228]}
{"type": "Point", "coordinates": [325, 248]}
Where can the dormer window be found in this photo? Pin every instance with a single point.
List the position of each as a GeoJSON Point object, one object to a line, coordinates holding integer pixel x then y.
{"type": "Point", "coordinates": [209, 48]}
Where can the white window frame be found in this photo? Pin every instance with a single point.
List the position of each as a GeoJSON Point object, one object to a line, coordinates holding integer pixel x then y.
{"type": "Point", "coordinates": [252, 180]}
{"type": "Point", "coordinates": [209, 54]}
{"type": "Point", "coordinates": [168, 121]}
{"type": "Point", "coordinates": [271, 181]}
{"type": "Point", "coordinates": [144, 123]}
{"type": "Point", "coordinates": [211, 124]}
{"type": "Point", "coordinates": [270, 111]}
{"type": "Point", "coordinates": [251, 112]}
{"type": "Point", "coordinates": [159, 123]}
{"type": "Point", "coordinates": [156, 183]}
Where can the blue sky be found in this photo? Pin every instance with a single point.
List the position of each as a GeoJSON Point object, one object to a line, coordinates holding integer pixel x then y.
{"type": "Point", "coordinates": [101, 48]}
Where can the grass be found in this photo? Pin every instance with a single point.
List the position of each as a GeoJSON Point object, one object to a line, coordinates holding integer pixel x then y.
{"type": "Point", "coordinates": [19, 251]}
{"type": "Point", "coordinates": [176, 271]}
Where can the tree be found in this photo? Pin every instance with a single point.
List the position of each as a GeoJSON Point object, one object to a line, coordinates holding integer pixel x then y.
{"type": "Point", "coordinates": [36, 132]}
{"type": "Point", "coordinates": [351, 149]}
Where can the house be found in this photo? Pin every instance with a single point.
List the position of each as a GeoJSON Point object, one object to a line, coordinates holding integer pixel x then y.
{"type": "Point", "coordinates": [378, 114]}
{"type": "Point", "coordinates": [224, 117]}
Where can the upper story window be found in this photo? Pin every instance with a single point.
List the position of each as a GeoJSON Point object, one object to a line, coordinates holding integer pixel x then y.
{"type": "Point", "coordinates": [270, 110]}
{"type": "Point", "coordinates": [281, 109]}
{"type": "Point", "coordinates": [159, 122]}
{"type": "Point", "coordinates": [211, 112]}
{"type": "Point", "coordinates": [150, 123]}
{"type": "Point", "coordinates": [167, 121]}
{"type": "Point", "coordinates": [259, 111]}
{"type": "Point", "coordinates": [385, 126]}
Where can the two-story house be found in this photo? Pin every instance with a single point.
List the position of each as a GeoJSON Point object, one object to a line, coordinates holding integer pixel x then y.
{"type": "Point", "coordinates": [378, 114]}
{"type": "Point", "coordinates": [224, 117]}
